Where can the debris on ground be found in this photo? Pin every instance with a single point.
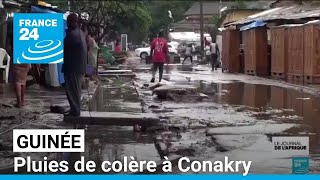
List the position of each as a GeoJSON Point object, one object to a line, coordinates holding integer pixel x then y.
{"type": "Point", "coordinates": [57, 109]}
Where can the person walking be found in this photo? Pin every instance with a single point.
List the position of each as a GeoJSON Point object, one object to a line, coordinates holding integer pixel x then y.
{"type": "Point", "coordinates": [188, 54]}
{"type": "Point", "coordinates": [159, 55]}
{"type": "Point", "coordinates": [92, 54]}
{"type": "Point", "coordinates": [74, 65]}
{"type": "Point", "coordinates": [214, 49]}
{"type": "Point", "coordinates": [118, 48]}
{"type": "Point", "coordinates": [208, 53]}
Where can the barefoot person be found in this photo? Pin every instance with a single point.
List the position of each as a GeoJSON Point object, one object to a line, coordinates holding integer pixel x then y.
{"type": "Point", "coordinates": [74, 65]}
{"type": "Point", "coordinates": [159, 55]}
{"type": "Point", "coordinates": [20, 73]}
{"type": "Point", "coordinates": [214, 49]}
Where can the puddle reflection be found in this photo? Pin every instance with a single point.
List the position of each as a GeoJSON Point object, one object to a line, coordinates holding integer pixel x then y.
{"type": "Point", "coordinates": [287, 101]}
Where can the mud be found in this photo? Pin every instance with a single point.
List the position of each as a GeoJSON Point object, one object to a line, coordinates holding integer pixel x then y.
{"type": "Point", "coordinates": [240, 116]}
{"type": "Point", "coordinates": [237, 119]}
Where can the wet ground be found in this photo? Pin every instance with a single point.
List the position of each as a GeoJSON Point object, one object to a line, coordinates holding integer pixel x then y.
{"type": "Point", "coordinates": [238, 119]}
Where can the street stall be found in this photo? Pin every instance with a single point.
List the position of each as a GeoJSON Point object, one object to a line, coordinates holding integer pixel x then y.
{"type": "Point", "coordinates": [255, 49]}
{"type": "Point", "coordinates": [295, 53]}
{"type": "Point", "coordinates": [231, 51]}
{"type": "Point", "coordinates": [311, 52]}
{"type": "Point", "coordinates": [279, 57]}
{"type": "Point", "coordinates": [294, 36]}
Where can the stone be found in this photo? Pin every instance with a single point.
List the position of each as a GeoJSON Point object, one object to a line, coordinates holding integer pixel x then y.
{"type": "Point", "coordinates": [115, 71]}
{"type": "Point", "coordinates": [114, 119]}
{"type": "Point", "coordinates": [162, 110]}
{"type": "Point", "coordinates": [179, 89]}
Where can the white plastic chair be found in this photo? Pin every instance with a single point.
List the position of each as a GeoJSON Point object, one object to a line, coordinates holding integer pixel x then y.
{"type": "Point", "coordinates": [3, 54]}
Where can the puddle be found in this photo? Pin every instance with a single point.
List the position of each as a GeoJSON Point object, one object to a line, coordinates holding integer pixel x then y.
{"type": "Point", "coordinates": [239, 117]}
{"type": "Point", "coordinates": [118, 96]}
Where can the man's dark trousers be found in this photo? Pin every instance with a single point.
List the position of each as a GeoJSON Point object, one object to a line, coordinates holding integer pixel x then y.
{"type": "Point", "coordinates": [214, 61]}
{"type": "Point", "coordinates": [73, 91]}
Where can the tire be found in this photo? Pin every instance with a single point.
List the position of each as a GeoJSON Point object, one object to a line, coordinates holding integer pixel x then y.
{"type": "Point", "coordinates": [143, 55]}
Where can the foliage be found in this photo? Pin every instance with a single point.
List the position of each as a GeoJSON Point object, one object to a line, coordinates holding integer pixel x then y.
{"type": "Point", "coordinates": [139, 29]}
{"type": "Point", "coordinates": [159, 13]}
{"type": "Point", "coordinates": [241, 4]}
{"type": "Point", "coordinates": [138, 19]}
{"type": "Point", "coordinates": [215, 20]}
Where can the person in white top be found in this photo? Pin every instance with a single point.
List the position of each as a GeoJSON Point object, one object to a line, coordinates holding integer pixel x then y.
{"type": "Point", "coordinates": [188, 53]}
{"type": "Point", "coordinates": [215, 53]}
{"type": "Point", "coordinates": [208, 53]}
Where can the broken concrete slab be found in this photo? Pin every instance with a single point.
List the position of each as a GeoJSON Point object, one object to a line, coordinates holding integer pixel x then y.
{"type": "Point", "coordinates": [114, 119]}
{"type": "Point", "coordinates": [166, 91]}
{"type": "Point", "coordinates": [162, 110]}
{"type": "Point", "coordinates": [154, 86]}
{"type": "Point", "coordinates": [115, 71]}
{"type": "Point", "coordinates": [175, 88]}
{"type": "Point", "coordinates": [118, 75]}
{"type": "Point", "coordinates": [187, 98]}
{"type": "Point", "coordinates": [108, 67]}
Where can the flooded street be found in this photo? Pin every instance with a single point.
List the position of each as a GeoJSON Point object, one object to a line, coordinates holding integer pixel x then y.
{"type": "Point", "coordinates": [238, 118]}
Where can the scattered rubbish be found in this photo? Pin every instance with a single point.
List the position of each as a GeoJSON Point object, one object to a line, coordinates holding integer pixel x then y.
{"type": "Point", "coordinates": [7, 117]}
{"type": "Point", "coordinates": [7, 105]}
{"type": "Point", "coordinates": [57, 109]}
{"type": "Point", "coordinates": [154, 107]}
{"type": "Point", "coordinates": [162, 110]}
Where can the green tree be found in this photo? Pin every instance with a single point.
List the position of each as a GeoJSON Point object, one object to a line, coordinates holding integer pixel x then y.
{"type": "Point", "coordinates": [159, 13]}
{"type": "Point", "coordinates": [215, 20]}
{"type": "Point", "coordinates": [241, 4]}
{"type": "Point", "coordinates": [109, 18]}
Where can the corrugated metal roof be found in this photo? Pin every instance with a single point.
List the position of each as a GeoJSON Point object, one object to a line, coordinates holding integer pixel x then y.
{"type": "Point", "coordinates": [283, 13]}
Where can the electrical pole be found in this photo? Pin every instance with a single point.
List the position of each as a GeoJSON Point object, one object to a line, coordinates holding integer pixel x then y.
{"type": "Point", "coordinates": [201, 30]}
{"type": "Point", "coordinates": [220, 8]}
{"type": "Point", "coordinates": [69, 8]}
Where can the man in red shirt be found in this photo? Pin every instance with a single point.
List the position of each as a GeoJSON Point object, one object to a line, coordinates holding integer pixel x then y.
{"type": "Point", "coordinates": [117, 48]}
{"type": "Point", "coordinates": [159, 54]}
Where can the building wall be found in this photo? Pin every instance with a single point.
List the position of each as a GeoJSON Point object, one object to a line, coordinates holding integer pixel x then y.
{"type": "Point", "coordinates": [3, 28]}
{"type": "Point", "coordinates": [236, 15]}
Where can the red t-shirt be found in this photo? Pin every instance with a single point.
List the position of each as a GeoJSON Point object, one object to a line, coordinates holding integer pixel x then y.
{"type": "Point", "coordinates": [160, 50]}
{"type": "Point", "coordinates": [118, 49]}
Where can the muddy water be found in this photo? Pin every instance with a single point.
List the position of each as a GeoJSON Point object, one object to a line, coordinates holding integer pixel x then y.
{"type": "Point", "coordinates": [239, 118]}
{"type": "Point", "coordinates": [119, 95]}
{"type": "Point", "coordinates": [275, 103]}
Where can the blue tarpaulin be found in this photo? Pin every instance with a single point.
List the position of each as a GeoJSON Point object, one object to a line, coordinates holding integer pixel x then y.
{"type": "Point", "coordinates": [41, 10]}
{"type": "Point", "coordinates": [252, 25]}
{"type": "Point", "coordinates": [58, 68]}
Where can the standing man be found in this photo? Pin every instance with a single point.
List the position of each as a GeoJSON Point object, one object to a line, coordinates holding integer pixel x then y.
{"type": "Point", "coordinates": [188, 54]}
{"type": "Point", "coordinates": [159, 55]}
{"type": "Point", "coordinates": [74, 66]}
{"type": "Point", "coordinates": [215, 53]}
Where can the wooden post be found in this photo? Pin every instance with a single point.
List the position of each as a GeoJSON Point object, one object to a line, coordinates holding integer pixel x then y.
{"type": "Point", "coordinates": [201, 30]}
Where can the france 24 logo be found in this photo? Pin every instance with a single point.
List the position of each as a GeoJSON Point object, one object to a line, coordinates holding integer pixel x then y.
{"type": "Point", "coordinates": [38, 38]}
